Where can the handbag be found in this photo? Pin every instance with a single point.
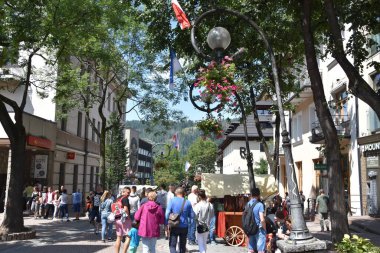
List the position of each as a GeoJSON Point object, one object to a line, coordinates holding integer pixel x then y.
{"type": "Point", "coordinates": [111, 218]}
{"type": "Point", "coordinates": [174, 218]}
{"type": "Point", "coordinates": [203, 228]}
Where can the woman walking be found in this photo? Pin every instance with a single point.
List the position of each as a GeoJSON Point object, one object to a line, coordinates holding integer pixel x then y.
{"type": "Point", "coordinates": [204, 212]}
{"type": "Point", "coordinates": [105, 210]}
{"type": "Point", "coordinates": [151, 216]}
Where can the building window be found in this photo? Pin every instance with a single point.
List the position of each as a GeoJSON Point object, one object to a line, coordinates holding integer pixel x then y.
{"type": "Point", "coordinates": [97, 176]}
{"type": "Point", "coordinates": [297, 128]}
{"type": "Point", "coordinates": [79, 125]}
{"type": "Point", "coordinates": [92, 178]}
{"type": "Point", "coordinates": [93, 130]}
{"type": "Point", "coordinates": [375, 44]}
{"type": "Point", "coordinates": [261, 147]}
{"type": "Point", "coordinates": [61, 180]}
{"type": "Point", "coordinates": [75, 178]}
{"type": "Point", "coordinates": [109, 101]}
{"type": "Point", "coordinates": [63, 124]}
{"type": "Point", "coordinates": [99, 132]}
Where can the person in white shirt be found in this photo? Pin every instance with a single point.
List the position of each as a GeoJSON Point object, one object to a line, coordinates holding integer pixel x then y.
{"type": "Point", "coordinates": [193, 198]}
{"type": "Point", "coordinates": [204, 212]}
{"type": "Point", "coordinates": [49, 203]}
{"type": "Point", "coordinates": [134, 202]}
{"type": "Point", "coordinates": [63, 207]}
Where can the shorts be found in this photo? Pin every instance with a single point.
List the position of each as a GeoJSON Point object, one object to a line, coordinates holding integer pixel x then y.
{"type": "Point", "coordinates": [76, 208]}
{"type": "Point", "coordinates": [258, 241]}
{"type": "Point", "coordinates": [132, 250]}
{"type": "Point", "coordinates": [95, 215]}
{"type": "Point", "coordinates": [122, 228]}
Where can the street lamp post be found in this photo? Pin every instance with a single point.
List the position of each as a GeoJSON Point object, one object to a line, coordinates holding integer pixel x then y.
{"type": "Point", "coordinates": [218, 40]}
{"type": "Point", "coordinates": [300, 234]}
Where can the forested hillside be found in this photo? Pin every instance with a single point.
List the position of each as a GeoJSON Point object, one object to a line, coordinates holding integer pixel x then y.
{"type": "Point", "coordinates": [187, 133]}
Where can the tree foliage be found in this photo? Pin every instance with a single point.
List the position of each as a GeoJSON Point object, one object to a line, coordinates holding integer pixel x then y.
{"type": "Point", "coordinates": [261, 167]}
{"type": "Point", "coordinates": [169, 168]}
{"type": "Point", "coordinates": [202, 155]}
{"type": "Point", "coordinates": [116, 153]}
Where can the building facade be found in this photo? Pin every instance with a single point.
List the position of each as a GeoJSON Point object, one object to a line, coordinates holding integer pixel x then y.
{"type": "Point", "coordinates": [139, 165]}
{"type": "Point", "coordinates": [59, 151]}
{"type": "Point", "coordinates": [232, 162]}
{"type": "Point", "coordinates": [359, 131]}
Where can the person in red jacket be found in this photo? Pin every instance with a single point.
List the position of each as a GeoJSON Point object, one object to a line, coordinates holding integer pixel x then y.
{"type": "Point", "coordinates": [151, 216]}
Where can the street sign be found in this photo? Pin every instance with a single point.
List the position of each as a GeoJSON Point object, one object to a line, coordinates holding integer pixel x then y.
{"type": "Point", "coordinates": [320, 167]}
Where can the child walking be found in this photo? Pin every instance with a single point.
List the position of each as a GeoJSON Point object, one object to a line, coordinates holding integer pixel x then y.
{"type": "Point", "coordinates": [133, 239]}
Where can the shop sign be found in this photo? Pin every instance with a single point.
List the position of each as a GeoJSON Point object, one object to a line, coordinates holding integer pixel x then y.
{"type": "Point", "coordinates": [373, 162]}
{"type": "Point", "coordinates": [372, 149]}
{"type": "Point", "coordinates": [40, 166]}
{"type": "Point", "coordinates": [38, 142]}
{"type": "Point", "coordinates": [320, 167]}
{"type": "Point", "coordinates": [70, 155]}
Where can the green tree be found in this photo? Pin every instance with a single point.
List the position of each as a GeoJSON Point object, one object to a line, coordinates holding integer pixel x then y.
{"type": "Point", "coordinates": [169, 169]}
{"type": "Point", "coordinates": [202, 155]}
{"type": "Point", "coordinates": [116, 153]}
{"type": "Point", "coordinates": [42, 30]}
{"type": "Point", "coordinates": [261, 167]}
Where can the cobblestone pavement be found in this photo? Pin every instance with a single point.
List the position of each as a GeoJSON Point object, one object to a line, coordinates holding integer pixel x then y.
{"type": "Point", "coordinates": [78, 236]}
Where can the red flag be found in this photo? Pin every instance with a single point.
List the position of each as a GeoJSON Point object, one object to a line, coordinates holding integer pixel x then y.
{"type": "Point", "coordinates": [181, 16]}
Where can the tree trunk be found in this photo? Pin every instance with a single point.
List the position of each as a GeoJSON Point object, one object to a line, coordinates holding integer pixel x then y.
{"type": "Point", "coordinates": [260, 132]}
{"type": "Point", "coordinates": [276, 157]}
{"type": "Point", "coordinates": [339, 222]}
{"type": "Point", "coordinates": [103, 154]}
{"type": "Point", "coordinates": [357, 85]}
{"type": "Point", "coordinates": [13, 221]}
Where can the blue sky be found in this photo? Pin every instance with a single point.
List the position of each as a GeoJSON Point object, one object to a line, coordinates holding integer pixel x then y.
{"type": "Point", "coordinates": [185, 106]}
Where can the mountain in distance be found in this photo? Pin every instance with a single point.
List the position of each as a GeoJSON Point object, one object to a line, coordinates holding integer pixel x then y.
{"type": "Point", "coordinates": [187, 133]}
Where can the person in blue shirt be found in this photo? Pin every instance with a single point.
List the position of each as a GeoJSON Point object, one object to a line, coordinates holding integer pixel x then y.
{"type": "Point", "coordinates": [174, 206]}
{"type": "Point", "coordinates": [133, 239]}
{"type": "Point", "coordinates": [257, 241]}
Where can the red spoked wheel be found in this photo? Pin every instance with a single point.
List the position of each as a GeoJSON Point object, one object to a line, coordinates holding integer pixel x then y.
{"type": "Point", "coordinates": [235, 236]}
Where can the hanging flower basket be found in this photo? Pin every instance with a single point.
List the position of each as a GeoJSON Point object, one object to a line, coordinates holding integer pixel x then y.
{"type": "Point", "coordinates": [211, 127]}
{"type": "Point", "coordinates": [215, 82]}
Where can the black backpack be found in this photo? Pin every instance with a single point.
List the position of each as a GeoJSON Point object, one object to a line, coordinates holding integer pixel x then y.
{"type": "Point", "coordinates": [249, 224]}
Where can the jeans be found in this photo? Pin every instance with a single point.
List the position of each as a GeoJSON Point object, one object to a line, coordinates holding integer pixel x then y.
{"type": "Point", "coordinates": [106, 225]}
{"type": "Point", "coordinates": [192, 226]}
{"type": "Point", "coordinates": [149, 244]}
{"type": "Point", "coordinates": [212, 229]}
{"type": "Point", "coordinates": [63, 208]}
{"type": "Point", "coordinates": [174, 233]}
{"type": "Point", "coordinates": [257, 242]}
{"type": "Point", "coordinates": [202, 241]}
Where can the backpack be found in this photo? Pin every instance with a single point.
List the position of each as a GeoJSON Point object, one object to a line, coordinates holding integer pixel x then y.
{"type": "Point", "coordinates": [117, 208]}
{"type": "Point", "coordinates": [249, 224]}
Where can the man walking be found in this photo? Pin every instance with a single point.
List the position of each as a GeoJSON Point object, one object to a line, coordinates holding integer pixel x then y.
{"type": "Point", "coordinates": [323, 208]}
{"type": "Point", "coordinates": [257, 241]}
{"type": "Point", "coordinates": [134, 202]}
{"type": "Point", "coordinates": [193, 198]}
{"type": "Point", "coordinates": [77, 201]}
{"type": "Point", "coordinates": [175, 206]}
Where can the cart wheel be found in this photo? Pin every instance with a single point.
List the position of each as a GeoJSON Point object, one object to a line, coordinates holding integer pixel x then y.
{"type": "Point", "coordinates": [235, 236]}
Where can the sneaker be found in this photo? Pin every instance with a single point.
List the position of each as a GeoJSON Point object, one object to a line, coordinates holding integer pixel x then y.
{"type": "Point", "coordinates": [328, 229]}
{"type": "Point", "coordinates": [68, 220]}
{"type": "Point", "coordinates": [192, 243]}
{"type": "Point", "coordinates": [213, 243]}
{"type": "Point", "coordinates": [110, 239]}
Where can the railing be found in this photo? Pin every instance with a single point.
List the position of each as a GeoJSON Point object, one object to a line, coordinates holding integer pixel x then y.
{"type": "Point", "coordinates": [342, 125]}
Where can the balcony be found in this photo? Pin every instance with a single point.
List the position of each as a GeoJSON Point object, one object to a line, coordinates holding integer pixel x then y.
{"type": "Point", "coordinates": [342, 125]}
{"type": "Point", "coordinates": [302, 94]}
{"type": "Point", "coordinates": [10, 76]}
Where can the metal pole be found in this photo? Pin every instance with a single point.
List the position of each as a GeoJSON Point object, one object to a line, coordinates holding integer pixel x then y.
{"type": "Point", "coordinates": [252, 183]}
{"type": "Point", "coordinates": [299, 232]}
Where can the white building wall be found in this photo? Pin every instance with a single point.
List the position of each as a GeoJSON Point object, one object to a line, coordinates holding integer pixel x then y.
{"type": "Point", "coordinates": [232, 160]}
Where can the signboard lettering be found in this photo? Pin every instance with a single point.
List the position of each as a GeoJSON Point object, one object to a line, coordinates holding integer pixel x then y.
{"type": "Point", "coordinates": [372, 149]}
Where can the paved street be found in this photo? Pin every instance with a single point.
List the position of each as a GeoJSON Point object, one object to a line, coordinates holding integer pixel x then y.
{"type": "Point", "coordinates": [78, 236]}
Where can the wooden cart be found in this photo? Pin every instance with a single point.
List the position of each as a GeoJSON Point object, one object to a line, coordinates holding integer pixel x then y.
{"type": "Point", "coordinates": [232, 191]}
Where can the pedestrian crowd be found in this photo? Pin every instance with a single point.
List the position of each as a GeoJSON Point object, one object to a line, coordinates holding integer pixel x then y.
{"type": "Point", "coordinates": [48, 203]}
{"type": "Point", "coordinates": [184, 219]}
